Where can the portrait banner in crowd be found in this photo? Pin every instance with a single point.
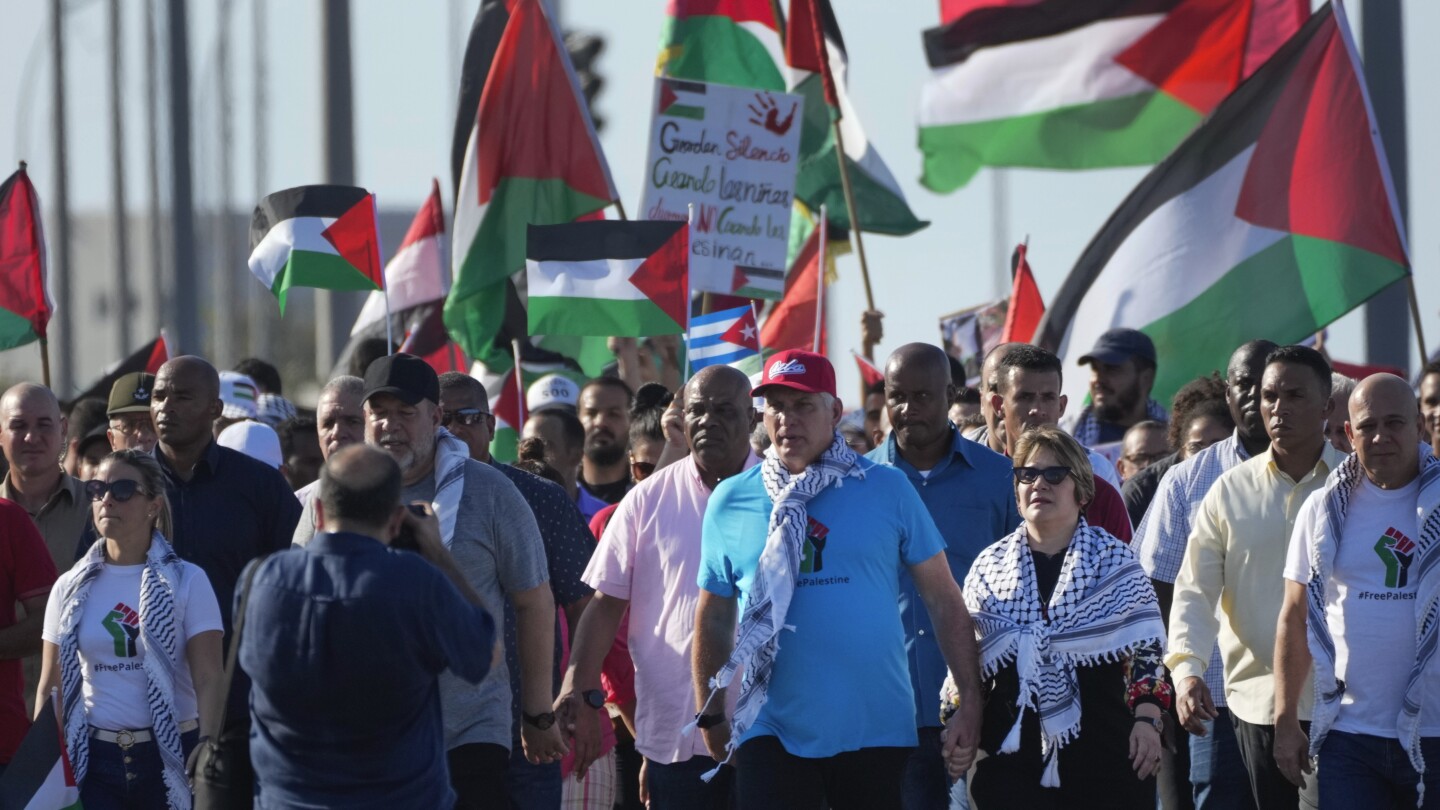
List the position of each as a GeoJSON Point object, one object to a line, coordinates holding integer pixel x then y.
{"type": "Point", "coordinates": [968, 334]}
{"type": "Point", "coordinates": [732, 152]}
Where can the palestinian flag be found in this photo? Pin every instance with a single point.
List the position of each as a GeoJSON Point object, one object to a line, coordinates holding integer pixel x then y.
{"type": "Point", "coordinates": [507, 401]}
{"type": "Point", "coordinates": [39, 776]}
{"type": "Point", "coordinates": [793, 319]}
{"type": "Point", "coordinates": [148, 358]}
{"type": "Point", "coordinates": [1061, 84]}
{"type": "Point", "coordinates": [418, 273]}
{"type": "Point", "coordinates": [25, 305]}
{"type": "Point", "coordinates": [626, 279]}
{"type": "Point", "coordinates": [816, 51]}
{"type": "Point", "coordinates": [734, 42]}
{"type": "Point", "coordinates": [1273, 219]}
{"type": "Point", "coordinates": [870, 376]}
{"type": "Point", "coordinates": [316, 236]}
{"type": "Point", "coordinates": [531, 157]}
{"type": "Point", "coordinates": [1026, 307]}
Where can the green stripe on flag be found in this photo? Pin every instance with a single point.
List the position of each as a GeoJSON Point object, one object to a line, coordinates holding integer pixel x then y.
{"type": "Point", "coordinates": [504, 444]}
{"type": "Point", "coordinates": [327, 271]}
{"type": "Point", "coordinates": [15, 330]}
{"type": "Point", "coordinates": [716, 49]}
{"type": "Point", "coordinates": [1331, 276]}
{"type": "Point", "coordinates": [685, 111]}
{"type": "Point", "coordinates": [563, 315]}
{"type": "Point", "coordinates": [1133, 130]}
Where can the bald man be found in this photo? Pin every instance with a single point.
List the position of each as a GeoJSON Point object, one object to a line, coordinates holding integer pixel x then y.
{"type": "Point", "coordinates": [992, 435]}
{"type": "Point", "coordinates": [339, 422]}
{"type": "Point", "coordinates": [1362, 549]}
{"type": "Point", "coordinates": [32, 436]}
{"type": "Point", "coordinates": [966, 488]}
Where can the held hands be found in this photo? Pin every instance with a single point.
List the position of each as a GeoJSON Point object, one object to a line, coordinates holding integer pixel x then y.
{"type": "Point", "coordinates": [1292, 751]}
{"type": "Point", "coordinates": [1145, 747]}
{"type": "Point", "coordinates": [1193, 704]}
{"type": "Point", "coordinates": [544, 746]}
{"type": "Point", "coordinates": [581, 724]}
{"type": "Point", "coordinates": [961, 739]}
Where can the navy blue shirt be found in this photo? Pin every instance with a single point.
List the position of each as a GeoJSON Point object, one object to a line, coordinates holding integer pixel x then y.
{"type": "Point", "coordinates": [568, 545]}
{"type": "Point", "coordinates": [345, 640]}
{"type": "Point", "coordinates": [971, 498]}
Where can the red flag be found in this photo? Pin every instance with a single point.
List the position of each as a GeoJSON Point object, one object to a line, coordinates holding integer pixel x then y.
{"type": "Point", "coordinates": [1026, 308]}
{"type": "Point", "coordinates": [24, 291]}
{"type": "Point", "coordinates": [158, 355]}
{"type": "Point", "coordinates": [805, 43]}
{"type": "Point", "coordinates": [869, 374]}
{"type": "Point", "coordinates": [791, 323]}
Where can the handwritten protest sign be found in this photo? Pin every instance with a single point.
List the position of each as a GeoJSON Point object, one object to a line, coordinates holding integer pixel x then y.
{"type": "Point", "coordinates": [732, 151]}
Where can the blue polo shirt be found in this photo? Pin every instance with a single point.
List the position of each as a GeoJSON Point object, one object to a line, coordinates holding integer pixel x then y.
{"type": "Point", "coordinates": [840, 681]}
{"type": "Point", "coordinates": [345, 640]}
{"type": "Point", "coordinates": [971, 498]}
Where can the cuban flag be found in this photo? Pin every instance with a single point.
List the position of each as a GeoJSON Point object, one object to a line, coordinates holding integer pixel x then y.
{"type": "Point", "coordinates": [723, 337]}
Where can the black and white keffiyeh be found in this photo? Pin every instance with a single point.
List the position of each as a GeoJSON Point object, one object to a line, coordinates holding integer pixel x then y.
{"type": "Point", "coordinates": [758, 641]}
{"type": "Point", "coordinates": [1340, 487]}
{"type": "Point", "coordinates": [450, 457]}
{"type": "Point", "coordinates": [161, 644]}
{"type": "Point", "coordinates": [1103, 609]}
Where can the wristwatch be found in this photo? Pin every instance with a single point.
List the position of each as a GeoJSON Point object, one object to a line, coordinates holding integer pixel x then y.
{"type": "Point", "coordinates": [541, 721]}
{"type": "Point", "coordinates": [1157, 723]}
{"type": "Point", "coordinates": [704, 721]}
{"type": "Point", "coordinates": [594, 698]}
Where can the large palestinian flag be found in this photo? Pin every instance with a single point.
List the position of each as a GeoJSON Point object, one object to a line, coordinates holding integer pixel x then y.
{"type": "Point", "coordinates": [626, 279]}
{"type": "Point", "coordinates": [1273, 219]}
{"type": "Point", "coordinates": [316, 236]}
{"type": "Point", "coordinates": [532, 157]}
{"type": "Point", "coordinates": [25, 305]}
{"type": "Point", "coordinates": [1062, 84]}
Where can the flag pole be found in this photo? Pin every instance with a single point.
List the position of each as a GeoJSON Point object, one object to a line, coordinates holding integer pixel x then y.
{"type": "Point", "coordinates": [820, 282]}
{"type": "Point", "coordinates": [1415, 316]}
{"type": "Point", "coordinates": [519, 382]}
{"type": "Point", "coordinates": [620, 208]}
{"type": "Point", "coordinates": [689, 234]}
{"type": "Point", "coordinates": [384, 286]}
{"type": "Point", "coordinates": [45, 360]}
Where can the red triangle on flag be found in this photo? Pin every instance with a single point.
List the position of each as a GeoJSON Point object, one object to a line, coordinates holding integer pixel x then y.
{"type": "Point", "coordinates": [744, 332]}
{"type": "Point", "coordinates": [664, 276]}
{"type": "Point", "coordinates": [869, 374]}
{"type": "Point", "coordinates": [791, 322]}
{"type": "Point", "coordinates": [158, 355]}
{"type": "Point", "coordinates": [509, 407]}
{"type": "Point", "coordinates": [355, 237]}
{"type": "Point", "coordinates": [667, 97]}
{"type": "Point", "coordinates": [1026, 308]}
{"type": "Point", "coordinates": [429, 220]}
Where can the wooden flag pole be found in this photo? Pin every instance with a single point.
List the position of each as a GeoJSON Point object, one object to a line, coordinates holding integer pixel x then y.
{"type": "Point", "coordinates": [820, 282]}
{"type": "Point", "coordinates": [1415, 316]}
{"type": "Point", "coordinates": [620, 209]}
{"type": "Point", "coordinates": [45, 361]}
{"type": "Point", "coordinates": [689, 305]}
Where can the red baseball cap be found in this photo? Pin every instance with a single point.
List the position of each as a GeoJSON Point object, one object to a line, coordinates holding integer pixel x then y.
{"type": "Point", "coordinates": [800, 370]}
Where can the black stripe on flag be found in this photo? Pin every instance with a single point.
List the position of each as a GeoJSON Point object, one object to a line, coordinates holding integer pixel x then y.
{"type": "Point", "coordinates": [302, 201]}
{"type": "Point", "coordinates": [683, 86]}
{"type": "Point", "coordinates": [1234, 127]}
{"type": "Point", "coordinates": [589, 241]}
{"type": "Point", "coordinates": [957, 40]}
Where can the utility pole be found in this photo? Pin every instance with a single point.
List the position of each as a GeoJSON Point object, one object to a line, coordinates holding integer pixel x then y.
{"type": "Point", "coordinates": [159, 284]}
{"type": "Point", "coordinates": [1000, 247]}
{"type": "Point", "coordinates": [262, 343]}
{"type": "Point", "coordinates": [64, 376]}
{"type": "Point", "coordinates": [117, 171]}
{"type": "Point", "coordinates": [182, 217]}
{"type": "Point", "coordinates": [1387, 315]}
{"type": "Point", "coordinates": [222, 280]}
{"type": "Point", "coordinates": [335, 311]}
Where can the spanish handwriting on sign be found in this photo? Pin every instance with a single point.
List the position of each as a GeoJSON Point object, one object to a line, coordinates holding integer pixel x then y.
{"type": "Point", "coordinates": [732, 153]}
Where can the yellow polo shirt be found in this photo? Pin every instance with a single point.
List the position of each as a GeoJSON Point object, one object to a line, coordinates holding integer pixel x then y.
{"type": "Point", "coordinates": [1235, 559]}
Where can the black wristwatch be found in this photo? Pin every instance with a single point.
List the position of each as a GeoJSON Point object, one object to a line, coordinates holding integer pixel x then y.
{"type": "Point", "coordinates": [1157, 723]}
{"type": "Point", "coordinates": [703, 721]}
{"type": "Point", "coordinates": [541, 721]}
{"type": "Point", "coordinates": [594, 698]}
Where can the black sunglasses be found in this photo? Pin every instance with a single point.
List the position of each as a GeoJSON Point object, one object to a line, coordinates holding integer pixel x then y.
{"type": "Point", "coordinates": [641, 469]}
{"type": "Point", "coordinates": [465, 416]}
{"type": "Point", "coordinates": [122, 490]}
{"type": "Point", "coordinates": [1052, 475]}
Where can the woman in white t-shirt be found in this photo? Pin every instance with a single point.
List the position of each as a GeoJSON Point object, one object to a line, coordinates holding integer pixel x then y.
{"type": "Point", "coordinates": [132, 636]}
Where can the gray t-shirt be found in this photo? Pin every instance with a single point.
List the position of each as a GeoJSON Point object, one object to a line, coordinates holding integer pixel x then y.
{"type": "Point", "coordinates": [497, 547]}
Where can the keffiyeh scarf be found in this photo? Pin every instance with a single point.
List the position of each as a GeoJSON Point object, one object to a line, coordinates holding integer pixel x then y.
{"type": "Point", "coordinates": [161, 649]}
{"type": "Point", "coordinates": [1087, 428]}
{"type": "Point", "coordinates": [1339, 489]}
{"type": "Point", "coordinates": [450, 457]}
{"type": "Point", "coordinates": [1103, 609]}
{"type": "Point", "coordinates": [758, 641]}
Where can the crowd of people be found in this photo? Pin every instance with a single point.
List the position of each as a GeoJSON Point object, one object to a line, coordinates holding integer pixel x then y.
{"type": "Point", "coordinates": [727, 592]}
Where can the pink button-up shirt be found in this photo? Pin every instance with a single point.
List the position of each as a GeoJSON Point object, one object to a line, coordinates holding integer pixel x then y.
{"type": "Point", "coordinates": [650, 555]}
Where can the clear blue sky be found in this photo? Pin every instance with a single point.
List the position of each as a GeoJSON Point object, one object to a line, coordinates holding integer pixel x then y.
{"type": "Point", "coordinates": [404, 96]}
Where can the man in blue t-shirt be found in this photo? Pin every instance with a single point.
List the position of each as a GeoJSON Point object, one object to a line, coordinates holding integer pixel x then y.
{"type": "Point", "coordinates": [825, 713]}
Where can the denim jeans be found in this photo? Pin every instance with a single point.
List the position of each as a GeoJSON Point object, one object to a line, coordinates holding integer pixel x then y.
{"type": "Point", "coordinates": [1358, 770]}
{"type": "Point", "coordinates": [1216, 771]}
{"type": "Point", "coordinates": [532, 787]}
{"type": "Point", "coordinates": [131, 778]}
{"type": "Point", "coordinates": [678, 786]}
{"type": "Point", "coordinates": [924, 784]}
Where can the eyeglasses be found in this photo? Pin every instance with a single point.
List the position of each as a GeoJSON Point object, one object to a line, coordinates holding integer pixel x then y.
{"type": "Point", "coordinates": [641, 469]}
{"type": "Point", "coordinates": [1145, 459]}
{"type": "Point", "coordinates": [1052, 475]}
{"type": "Point", "coordinates": [122, 490]}
{"type": "Point", "coordinates": [465, 416]}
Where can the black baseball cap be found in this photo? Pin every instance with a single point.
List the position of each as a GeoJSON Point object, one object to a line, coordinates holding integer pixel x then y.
{"type": "Point", "coordinates": [131, 394]}
{"type": "Point", "coordinates": [1118, 345]}
{"type": "Point", "coordinates": [404, 376]}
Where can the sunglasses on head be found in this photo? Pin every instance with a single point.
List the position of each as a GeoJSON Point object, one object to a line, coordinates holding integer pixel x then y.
{"type": "Point", "coordinates": [465, 416]}
{"type": "Point", "coordinates": [122, 490]}
{"type": "Point", "coordinates": [1052, 475]}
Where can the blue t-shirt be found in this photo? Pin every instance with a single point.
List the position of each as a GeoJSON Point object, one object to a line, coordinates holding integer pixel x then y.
{"type": "Point", "coordinates": [841, 681]}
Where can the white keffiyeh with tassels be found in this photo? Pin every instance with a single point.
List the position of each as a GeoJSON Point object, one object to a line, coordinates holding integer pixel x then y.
{"type": "Point", "coordinates": [1340, 487]}
{"type": "Point", "coordinates": [161, 647]}
{"type": "Point", "coordinates": [1103, 609]}
{"type": "Point", "coordinates": [450, 457]}
{"type": "Point", "coordinates": [758, 640]}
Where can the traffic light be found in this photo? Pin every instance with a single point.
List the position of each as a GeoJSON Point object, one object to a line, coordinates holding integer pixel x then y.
{"type": "Point", "coordinates": [584, 50]}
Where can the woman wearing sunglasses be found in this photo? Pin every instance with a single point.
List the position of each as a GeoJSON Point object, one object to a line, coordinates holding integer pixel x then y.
{"type": "Point", "coordinates": [131, 638]}
{"type": "Point", "coordinates": [1070, 642]}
